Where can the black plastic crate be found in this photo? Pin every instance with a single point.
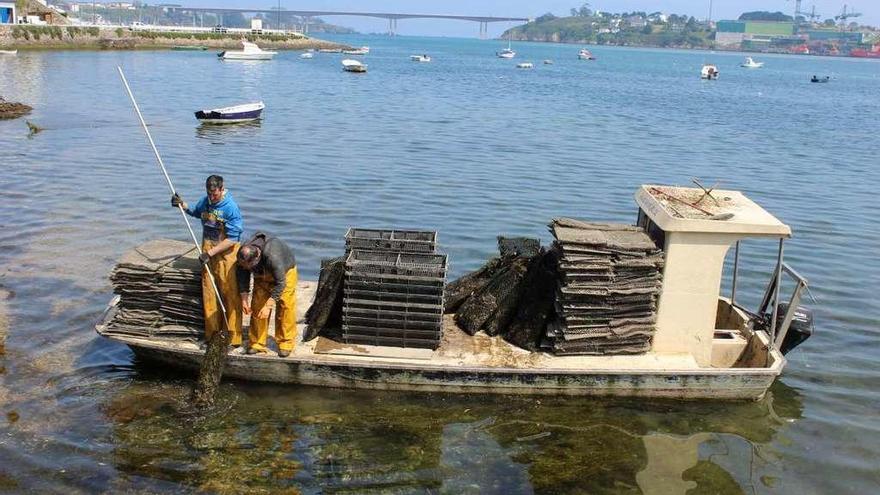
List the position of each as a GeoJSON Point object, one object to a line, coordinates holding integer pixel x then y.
{"type": "Point", "coordinates": [394, 333]}
{"type": "Point", "coordinates": [398, 287]}
{"type": "Point", "coordinates": [382, 296]}
{"type": "Point", "coordinates": [400, 323]}
{"type": "Point", "coordinates": [393, 342]}
{"type": "Point", "coordinates": [388, 263]}
{"type": "Point", "coordinates": [385, 313]}
{"type": "Point", "coordinates": [391, 240]}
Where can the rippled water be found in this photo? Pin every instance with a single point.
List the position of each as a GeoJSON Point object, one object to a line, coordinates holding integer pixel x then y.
{"type": "Point", "coordinates": [469, 146]}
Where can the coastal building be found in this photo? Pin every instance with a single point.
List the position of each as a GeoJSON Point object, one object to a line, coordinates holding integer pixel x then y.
{"type": "Point", "coordinates": [730, 34]}
{"type": "Point", "coordinates": [8, 14]}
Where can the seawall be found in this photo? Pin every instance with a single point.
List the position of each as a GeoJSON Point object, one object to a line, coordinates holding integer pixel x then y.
{"type": "Point", "coordinates": [94, 38]}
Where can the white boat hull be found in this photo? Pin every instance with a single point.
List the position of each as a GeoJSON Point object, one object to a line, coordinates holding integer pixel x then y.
{"type": "Point", "coordinates": [494, 370]}
{"type": "Point", "coordinates": [247, 56]}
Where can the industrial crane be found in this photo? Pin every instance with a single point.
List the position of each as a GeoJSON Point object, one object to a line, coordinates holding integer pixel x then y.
{"type": "Point", "coordinates": [812, 15]}
{"type": "Point", "coordinates": [844, 15]}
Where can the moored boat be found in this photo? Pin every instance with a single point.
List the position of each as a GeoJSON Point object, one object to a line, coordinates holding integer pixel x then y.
{"type": "Point", "coordinates": [307, 55]}
{"type": "Point", "coordinates": [8, 52]}
{"type": "Point", "coordinates": [704, 346]}
{"type": "Point", "coordinates": [751, 64]}
{"type": "Point", "coordinates": [249, 51]}
{"type": "Point", "coordinates": [193, 48]}
{"type": "Point", "coordinates": [585, 54]}
{"type": "Point", "coordinates": [525, 65]}
{"type": "Point", "coordinates": [548, 62]}
{"type": "Point", "coordinates": [420, 58]}
{"type": "Point", "coordinates": [231, 115]}
{"type": "Point", "coordinates": [507, 52]}
{"type": "Point", "coordinates": [709, 72]}
{"type": "Point", "coordinates": [350, 65]}
{"type": "Point", "coordinates": [357, 51]}
{"type": "Point", "coordinates": [817, 79]}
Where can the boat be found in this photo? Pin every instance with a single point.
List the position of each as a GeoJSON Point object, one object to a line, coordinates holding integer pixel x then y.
{"type": "Point", "coordinates": [420, 58]}
{"type": "Point", "coordinates": [548, 62]}
{"type": "Point", "coordinates": [525, 65]}
{"type": "Point", "coordinates": [330, 50]}
{"type": "Point", "coordinates": [249, 51]}
{"type": "Point", "coordinates": [507, 52]}
{"type": "Point", "coordinates": [816, 79]}
{"type": "Point", "coordinates": [706, 345]}
{"type": "Point", "coordinates": [874, 52]}
{"type": "Point", "coordinates": [231, 115]}
{"type": "Point", "coordinates": [585, 54]}
{"type": "Point", "coordinates": [357, 51]}
{"type": "Point", "coordinates": [194, 48]}
{"type": "Point", "coordinates": [8, 52]}
{"type": "Point", "coordinates": [751, 64]}
{"type": "Point", "coordinates": [709, 72]}
{"type": "Point", "coordinates": [350, 65]}
{"type": "Point", "coordinates": [307, 55]}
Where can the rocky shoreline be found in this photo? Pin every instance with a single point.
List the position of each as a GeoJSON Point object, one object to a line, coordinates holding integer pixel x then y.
{"type": "Point", "coordinates": [93, 38]}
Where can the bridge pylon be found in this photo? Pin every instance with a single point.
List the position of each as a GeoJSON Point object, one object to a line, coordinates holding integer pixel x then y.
{"type": "Point", "coordinates": [484, 30]}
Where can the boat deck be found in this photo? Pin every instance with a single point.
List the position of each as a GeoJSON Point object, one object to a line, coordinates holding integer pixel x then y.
{"type": "Point", "coordinates": [457, 348]}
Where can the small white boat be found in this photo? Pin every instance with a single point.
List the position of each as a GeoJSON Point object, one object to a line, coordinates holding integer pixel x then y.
{"type": "Point", "coordinates": [329, 50]}
{"type": "Point", "coordinates": [709, 72]}
{"type": "Point", "coordinates": [751, 64]}
{"type": "Point", "coordinates": [8, 52]}
{"type": "Point", "coordinates": [525, 65]}
{"type": "Point", "coordinates": [420, 58]}
{"type": "Point", "coordinates": [357, 51]}
{"type": "Point", "coordinates": [249, 51]}
{"type": "Point", "coordinates": [585, 54]}
{"type": "Point", "coordinates": [231, 115]}
{"type": "Point", "coordinates": [548, 62]}
{"type": "Point", "coordinates": [507, 52]}
{"type": "Point", "coordinates": [350, 65]}
{"type": "Point", "coordinates": [307, 55]}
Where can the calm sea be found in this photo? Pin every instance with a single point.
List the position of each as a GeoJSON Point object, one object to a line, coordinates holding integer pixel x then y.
{"type": "Point", "coordinates": [472, 147]}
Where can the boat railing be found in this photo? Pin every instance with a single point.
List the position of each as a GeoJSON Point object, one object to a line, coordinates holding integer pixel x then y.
{"type": "Point", "coordinates": [777, 330]}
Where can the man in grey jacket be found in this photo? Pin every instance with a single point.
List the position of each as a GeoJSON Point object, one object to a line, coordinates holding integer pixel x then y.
{"type": "Point", "coordinates": [273, 266]}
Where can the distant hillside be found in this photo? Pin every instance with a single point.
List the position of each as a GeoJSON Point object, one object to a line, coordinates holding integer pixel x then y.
{"type": "Point", "coordinates": [633, 29]}
{"type": "Point", "coordinates": [761, 15]}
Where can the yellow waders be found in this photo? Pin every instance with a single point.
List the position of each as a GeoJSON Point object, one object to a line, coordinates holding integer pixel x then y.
{"type": "Point", "coordinates": [285, 312]}
{"type": "Point", "coordinates": [223, 268]}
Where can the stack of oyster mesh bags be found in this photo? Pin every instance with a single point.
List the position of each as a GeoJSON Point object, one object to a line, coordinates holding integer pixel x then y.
{"type": "Point", "coordinates": [393, 288]}
{"type": "Point", "coordinates": [160, 292]}
{"type": "Point", "coordinates": [610, 279]}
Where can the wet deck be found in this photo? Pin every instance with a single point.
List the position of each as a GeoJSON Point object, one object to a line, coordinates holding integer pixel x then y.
{"type": "Point", "coordinates": [457, 348]}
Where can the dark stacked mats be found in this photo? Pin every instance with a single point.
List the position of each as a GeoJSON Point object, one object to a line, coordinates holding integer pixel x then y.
{"type": "Point", "coordinates": [609, 281]}
{"type": "Point", "coordinates": [160, 289]}
{"type": "Point", "coordinates": [393, 296]}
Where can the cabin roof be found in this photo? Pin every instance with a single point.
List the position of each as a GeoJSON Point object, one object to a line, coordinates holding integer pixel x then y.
{"type": "Point", "coordinates": [688, 209]}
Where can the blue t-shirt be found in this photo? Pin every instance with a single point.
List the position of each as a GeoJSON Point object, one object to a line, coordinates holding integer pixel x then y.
{"type": "Point", "coordinates": [221, 220]}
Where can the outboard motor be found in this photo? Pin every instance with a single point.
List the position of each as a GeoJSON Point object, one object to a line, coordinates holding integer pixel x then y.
{"type": "Point", "coordinates": [801, 326]}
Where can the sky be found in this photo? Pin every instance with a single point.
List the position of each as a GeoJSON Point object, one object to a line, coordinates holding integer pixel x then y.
{"type": "Point", "coordinates": [722, 9]}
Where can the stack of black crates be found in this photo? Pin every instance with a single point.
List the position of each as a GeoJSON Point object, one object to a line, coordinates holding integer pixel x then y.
{"type": "Point", "coordinates": [394, 283]}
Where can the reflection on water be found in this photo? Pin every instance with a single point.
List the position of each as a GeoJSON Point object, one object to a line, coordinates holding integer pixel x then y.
{"type": "Point", "coordinates": [218, 133]}
{"type": "Point", "coordinates": [267, 438]}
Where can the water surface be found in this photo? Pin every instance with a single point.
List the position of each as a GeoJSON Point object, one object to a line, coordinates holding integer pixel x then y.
{"type": "Point", "coordinates": [466, 145]}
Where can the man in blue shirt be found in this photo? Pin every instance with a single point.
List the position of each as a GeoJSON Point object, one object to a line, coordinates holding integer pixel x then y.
{"type": "Point", "coordinates": [221, 237]}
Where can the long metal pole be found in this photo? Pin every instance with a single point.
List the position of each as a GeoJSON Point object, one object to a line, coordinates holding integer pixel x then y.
{"type": "Point", "coordinates": [776, 292]}
{"type": "Point", "coordinates": [735, 273]}
{"type": "Point", "coordinates": [171, 186]}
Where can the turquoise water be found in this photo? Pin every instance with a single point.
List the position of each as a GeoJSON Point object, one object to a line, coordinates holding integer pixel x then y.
{"type": "Point", "coordinates": [472, 147]}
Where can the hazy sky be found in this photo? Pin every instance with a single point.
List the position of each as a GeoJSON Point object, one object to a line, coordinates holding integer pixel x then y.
{"type": "Point", "coordinates": [722, 9]}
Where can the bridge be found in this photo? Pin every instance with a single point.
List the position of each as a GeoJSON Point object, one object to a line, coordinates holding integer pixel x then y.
{"type": "Point", "coordinates": [391, 17]}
